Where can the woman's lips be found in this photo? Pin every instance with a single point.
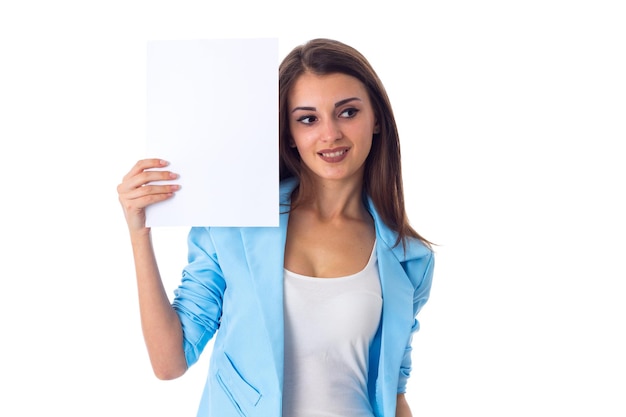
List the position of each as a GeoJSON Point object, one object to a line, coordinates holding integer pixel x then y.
{"type": "Point", "coordinates": [333, 155]}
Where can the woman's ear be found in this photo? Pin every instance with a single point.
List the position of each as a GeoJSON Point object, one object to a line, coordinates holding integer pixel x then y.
{"type": "Point", "coordinates": [376, 128]}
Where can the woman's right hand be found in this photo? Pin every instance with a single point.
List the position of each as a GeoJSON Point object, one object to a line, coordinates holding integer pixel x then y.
{"type": "Point", "coordinates": [136, 192]}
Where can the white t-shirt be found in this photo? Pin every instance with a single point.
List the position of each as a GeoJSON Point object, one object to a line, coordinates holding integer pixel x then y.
{"type": "Point", "coordinates": [329, 326]}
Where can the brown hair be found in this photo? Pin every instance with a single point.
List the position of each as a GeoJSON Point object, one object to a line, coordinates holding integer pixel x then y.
{"type": "Point", "coordinates": [382, 180]}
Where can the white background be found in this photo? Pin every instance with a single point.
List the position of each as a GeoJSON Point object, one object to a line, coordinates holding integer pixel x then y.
{"type": "Point", "coordinates": [512, 120]}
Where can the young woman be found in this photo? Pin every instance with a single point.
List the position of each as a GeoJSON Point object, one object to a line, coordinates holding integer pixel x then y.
{"type": "Point", "coordinates": [314, 317]}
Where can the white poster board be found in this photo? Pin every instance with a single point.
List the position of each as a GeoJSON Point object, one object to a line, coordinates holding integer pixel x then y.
{"type": "Point", "coordinates": [212, 112]}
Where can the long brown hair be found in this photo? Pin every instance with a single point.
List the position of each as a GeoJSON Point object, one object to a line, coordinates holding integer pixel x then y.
{"type": "Point", "coordinates": [382, 180]}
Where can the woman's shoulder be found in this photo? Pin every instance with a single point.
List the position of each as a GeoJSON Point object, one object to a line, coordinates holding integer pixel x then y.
{"type": "Point", "coordinates": [410, 248]}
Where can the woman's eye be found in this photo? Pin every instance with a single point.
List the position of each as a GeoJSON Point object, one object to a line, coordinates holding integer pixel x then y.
{"type": "Point", "coordinates": [349, 113]}
{"type": "Point", "coordinates": [307, 119]}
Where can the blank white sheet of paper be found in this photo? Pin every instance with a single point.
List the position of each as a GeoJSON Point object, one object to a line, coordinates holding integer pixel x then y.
{"type": "Point", "coordinates": [212, 112]}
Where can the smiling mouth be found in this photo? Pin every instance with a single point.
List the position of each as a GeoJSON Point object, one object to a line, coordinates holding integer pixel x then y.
{"type": "Point", "coordinates": [333, 154]}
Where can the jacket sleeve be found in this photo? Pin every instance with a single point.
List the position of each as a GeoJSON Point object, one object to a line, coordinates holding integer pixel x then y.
{"type": "Point", "coordinates": [422, 269]}
{"type": "Point", "coordinates": [198, 298]}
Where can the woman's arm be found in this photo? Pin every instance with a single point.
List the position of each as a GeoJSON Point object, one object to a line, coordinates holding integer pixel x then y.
{"type": "Point", "coordinates": [161, 326]}
{"type": "Point", "coordinates": [402, 407]}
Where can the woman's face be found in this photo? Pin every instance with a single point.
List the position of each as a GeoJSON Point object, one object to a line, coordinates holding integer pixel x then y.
{"type": "Point", "coordinates": [332, 123]}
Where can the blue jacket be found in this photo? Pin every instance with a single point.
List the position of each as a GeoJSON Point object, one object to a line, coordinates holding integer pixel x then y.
{"type": "Point", "coordinates": [234, 283]}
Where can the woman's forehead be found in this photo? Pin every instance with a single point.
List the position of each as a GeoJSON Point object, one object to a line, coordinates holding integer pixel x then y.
{"type": "Point", "coordinates": [329, 87]}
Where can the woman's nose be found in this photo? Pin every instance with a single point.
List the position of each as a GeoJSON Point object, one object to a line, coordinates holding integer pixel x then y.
{"type": "Point", "coordinates": [331, 131]}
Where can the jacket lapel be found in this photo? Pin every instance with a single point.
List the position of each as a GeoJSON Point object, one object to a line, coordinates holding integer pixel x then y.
{"type": "Point", "coordinates": [265, 252]}
{"type": "Point", "coordinates": [396, 323]}
{"type": "Point", "coordinates": [397, 315]}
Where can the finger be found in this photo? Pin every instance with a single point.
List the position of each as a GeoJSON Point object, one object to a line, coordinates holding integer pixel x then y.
{"type": "Point", "coordinates": [140, 198]}
{"type": "Point", "coordinates": [144, 178]}
{"type": "Point", "coordinates": [144, 164]}
{"type": "Point", "coordinates": [147, 191]}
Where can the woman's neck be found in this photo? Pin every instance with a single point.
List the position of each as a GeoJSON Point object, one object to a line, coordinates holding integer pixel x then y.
{"type": "Point", "coordinates": [331, 199]}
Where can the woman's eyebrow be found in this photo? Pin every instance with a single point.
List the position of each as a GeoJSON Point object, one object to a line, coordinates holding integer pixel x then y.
{"type": "Point", "coordinates": [346, 100]}
{"type": "Point", "coordinates": [337, 104]}
{"type": "Point", "coordinates": [304, 108]}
